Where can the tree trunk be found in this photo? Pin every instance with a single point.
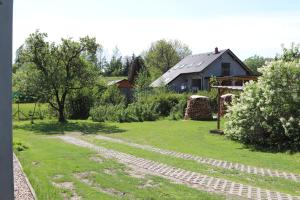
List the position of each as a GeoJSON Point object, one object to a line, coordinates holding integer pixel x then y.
{"type": "Point", "coordinates": [61, 115]}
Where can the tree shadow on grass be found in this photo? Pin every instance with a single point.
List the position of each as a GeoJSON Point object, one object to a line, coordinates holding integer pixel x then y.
{"type": "Point", "coordinates": [51, 128]}
{"type": "Point", "coordinates": [257, 148]}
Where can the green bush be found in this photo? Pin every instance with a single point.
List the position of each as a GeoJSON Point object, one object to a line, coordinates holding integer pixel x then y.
{"type": "Point", "coordinates": [106, 112]}
{"type": "Point", "coordinates": [78, 106]}
{"type": "Point", "coordinates": [267, 114]}
{"type": "Point", "coordinates": [19, 146]}
{"type": "Point", "coordinates": [163, 99]}
{"type": "Point", "coordinates": [135, 112]}
{"type": "Point", "coordinates": [112, 95]}
{"type": "Point", "coordinates": [140, 112]}
{"type": "Point", "coordinates": [178, 111]}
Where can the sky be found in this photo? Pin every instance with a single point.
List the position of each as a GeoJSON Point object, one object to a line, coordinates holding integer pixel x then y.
{"type": "Point", "coordinates": [247, 27]}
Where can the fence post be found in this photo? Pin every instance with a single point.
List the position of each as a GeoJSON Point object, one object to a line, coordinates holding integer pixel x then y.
{"type": "Point", "coordinates": [6, 157]}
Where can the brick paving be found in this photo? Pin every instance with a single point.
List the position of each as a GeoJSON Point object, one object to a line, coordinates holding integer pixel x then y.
{"type": "Point", "coordinates": [209, 161]}
{"type": "Point", "coordinates": [189, 178]}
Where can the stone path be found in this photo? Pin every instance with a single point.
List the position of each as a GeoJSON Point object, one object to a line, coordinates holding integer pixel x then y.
{"type": "Point", "coordinates": [189, 178]}
{"type": "Point", "coordinates": [209, 161]}
{"type": "Point", "coordinates": [23, 189]}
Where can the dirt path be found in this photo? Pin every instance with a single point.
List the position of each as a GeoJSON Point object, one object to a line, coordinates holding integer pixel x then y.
{"type": "Point", "coordinates": [189, 178]}
{"type": "Point", "coordinates": [23, 189]}
{"type": "Point", "coordinates": [209, 161]}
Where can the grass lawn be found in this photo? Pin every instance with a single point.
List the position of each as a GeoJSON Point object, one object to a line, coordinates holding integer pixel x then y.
{"type": "Point", "coordinates": [48, 157]}
{"type": "Point", "coordinates": [48, 160]}
{"type": "Point", "coordinates": [26, 109]}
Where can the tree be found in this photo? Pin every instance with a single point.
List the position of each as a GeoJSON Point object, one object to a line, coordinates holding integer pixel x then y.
{"type": "Point", "coordinates": [126, 66]}
{"type": "Point", "coordinates": [51, 71]}
{"type": "Point", "coordinates": [101, 60]}
{"type": "Point", "coordinates": [163, 55]}
{"type": "Point", "coordinates": [136, 65]}
{"type": "Point", "coordinates": [289, 54]}
{"type": "Point", "coordinates": [255, 62]}
{"type": "Point", "coordinates": [142, 80]}
{"type": "Point", "coordinates": [115, 66]}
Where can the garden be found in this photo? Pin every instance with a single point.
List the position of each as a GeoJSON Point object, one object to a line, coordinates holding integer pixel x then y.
{"type": "Point", "coordinates": [79, 138]}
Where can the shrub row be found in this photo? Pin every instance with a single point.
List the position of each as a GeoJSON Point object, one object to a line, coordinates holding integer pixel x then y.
{"type": "Point", "coordinates": [135, 112]}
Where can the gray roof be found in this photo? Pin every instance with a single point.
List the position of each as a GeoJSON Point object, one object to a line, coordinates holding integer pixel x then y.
{"type": "Point", "coordinates": [190, 64]}
{"type": "Point", "coordinates": [114, 82]}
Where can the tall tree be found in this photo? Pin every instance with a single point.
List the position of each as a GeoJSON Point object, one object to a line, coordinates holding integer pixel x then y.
{"type": "Point", "coordinates": [163, 54]}
{"type": "Point", "coordinates": [115, 66]}
{"type": "Point", "coordinates": [137, 65]}
{"type": "Point", "coordinates": [254, 63]}
{"type": "Point", "coordinates": [126, 66]}
{"type": "Point", "coordinates": [51, 71]}
{"type": "Point", "coordinates": [101, 60]}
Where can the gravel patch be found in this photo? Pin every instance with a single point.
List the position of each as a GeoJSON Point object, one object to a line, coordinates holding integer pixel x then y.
{"type": "Point", "coordinates": [22, 187]}
{"type": "Point", "coordinates": [85, 177]}
{"type": "Point", "coordinates": [67, 186]}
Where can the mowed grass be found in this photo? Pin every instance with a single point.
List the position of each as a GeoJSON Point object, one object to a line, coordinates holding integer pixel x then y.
{"type": "Point", "coordinates": [193, 137]}
{"type": "Point", "coordinates": [183, 136]}
{"type": "Point", "coordinates": [271, 183]}
{"type": "Point", "coordinates": [48, 160]}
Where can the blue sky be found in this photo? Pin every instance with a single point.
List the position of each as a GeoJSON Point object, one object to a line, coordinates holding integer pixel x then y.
{"type": "Point", "coordinates": [247, 27]}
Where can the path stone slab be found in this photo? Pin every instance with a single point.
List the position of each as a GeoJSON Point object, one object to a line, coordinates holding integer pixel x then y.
{"type": "Point", "coordinates": [209, 161]}
{"type": "Point", "coordinates": [189, 178]}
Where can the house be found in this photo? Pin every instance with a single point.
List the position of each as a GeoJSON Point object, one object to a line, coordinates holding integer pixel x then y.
{"type": "Point", "coordinates": [194, 71]}
{"type": "Point", "coordinates": [125, 87]}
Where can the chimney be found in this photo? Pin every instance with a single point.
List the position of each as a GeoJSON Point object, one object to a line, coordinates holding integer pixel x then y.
{"type": "Point", "coordinates": [216, 50]}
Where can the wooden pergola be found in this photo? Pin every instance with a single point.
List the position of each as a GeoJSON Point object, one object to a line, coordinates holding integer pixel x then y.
{"type": "Point", "coordinates": [221, 90]}
{"type": "Point", "coordinates": [232, 80]}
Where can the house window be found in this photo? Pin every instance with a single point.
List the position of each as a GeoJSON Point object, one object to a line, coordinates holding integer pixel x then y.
{"type": "Point", "coordinates": [225, 69]}
{"type": "Point", "coordinates": [196, 84]}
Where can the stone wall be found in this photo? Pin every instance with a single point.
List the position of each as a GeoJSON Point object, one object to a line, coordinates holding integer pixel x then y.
{"type": "Point", "coordinates": [226, 99]}
{"type": "Point", "coordinates": [198, 108]}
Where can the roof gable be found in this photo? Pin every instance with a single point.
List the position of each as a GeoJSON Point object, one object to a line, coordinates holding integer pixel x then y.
{"type": "Point", "coordinates": [190, 64]}
{"type": "Point", "coordinates": [195, 63]}
{"type": "Point", "coordinates": [124, 83]}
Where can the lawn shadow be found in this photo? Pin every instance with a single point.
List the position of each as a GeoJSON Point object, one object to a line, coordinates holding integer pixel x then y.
{"type": "Point", "coordinates": [257, 148]}
{"type": "Point", "coordinates": [51, 128]}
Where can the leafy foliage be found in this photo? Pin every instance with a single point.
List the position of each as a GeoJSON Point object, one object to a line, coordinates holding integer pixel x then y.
{"type": "Point", "coordinates": [290, 54]}
{"type": "Point", "coordinates": [107, 112]}
{"type": "Point", "coordinates": [178, 111]}
{"type": "Point", "coordinates": [51, 71]}
{"type": "Point", "coordinates": [254, 63]}
{"type": "Point", "coordinates": [112, 95]}
{"type": "Point", "coordinates": [19, 146]}
{"type": "Point", "coordinates": [79, 104]}
{"type": "Point", "coordinates": [115, 66]}
{"type": "Point", "coordinates": [267, 114]}
{"type": "Point", "coordinates": [142, 81]}
{"type": "Point", "coordinates": [163, 55]}
{"type": "Point", "coordinates": [136, 65]}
